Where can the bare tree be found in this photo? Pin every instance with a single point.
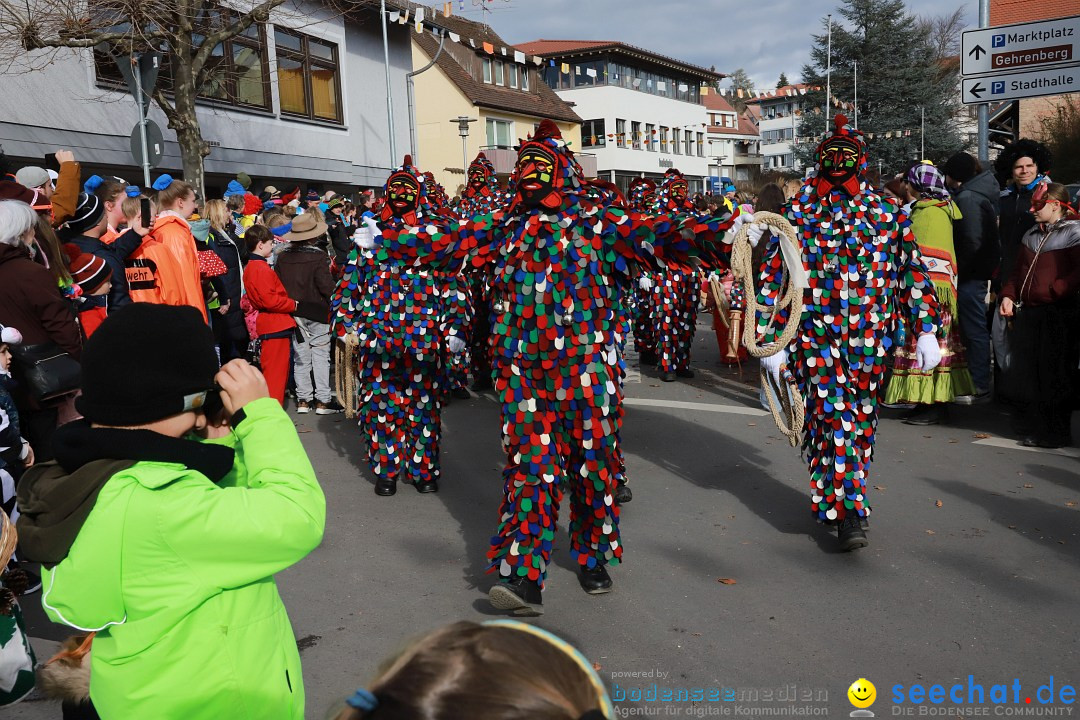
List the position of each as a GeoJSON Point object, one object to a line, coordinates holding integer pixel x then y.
{"type": "Point", "coordinates": [188, 34]}
{"type": "Point", "coordinates": [942, 34]}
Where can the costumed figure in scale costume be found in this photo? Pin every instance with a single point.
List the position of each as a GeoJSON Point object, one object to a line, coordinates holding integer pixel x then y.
{"type": "Point", "coordinates": [865, 275]}
{"type": "Point", "coordinates": [398, 317]}
{"type": "Point", "coordinates": [642, 299]}
{"type": "Point", "coordinates": [482, 196]}
{"type": "Point", "coordinates": [554, 251]}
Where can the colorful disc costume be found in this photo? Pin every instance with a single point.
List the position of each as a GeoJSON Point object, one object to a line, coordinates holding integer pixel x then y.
{"type": "Point", "coordinates": [399, 316]}
{"type": "Point", "coordinates": [865, 276]}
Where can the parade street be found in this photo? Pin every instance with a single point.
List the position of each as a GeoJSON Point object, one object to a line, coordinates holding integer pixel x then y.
{"type": "Point", "coordinates": [972, 567]}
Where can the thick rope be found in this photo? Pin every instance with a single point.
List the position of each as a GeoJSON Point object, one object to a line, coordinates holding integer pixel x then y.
{"type": "Point", "coordinates": [346, 357]}
{"type": "Point", "coordinates": [786, 403]}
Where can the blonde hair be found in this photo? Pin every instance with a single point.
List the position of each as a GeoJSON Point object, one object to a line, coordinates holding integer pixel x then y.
{"type": "Point", "coordinates": [177, 190]}
{"type": "Point", "coordinates": [217, 213]}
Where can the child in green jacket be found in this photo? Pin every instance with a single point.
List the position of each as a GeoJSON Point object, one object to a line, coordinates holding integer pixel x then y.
{"type": "Point", "coordinates": [160, 545]}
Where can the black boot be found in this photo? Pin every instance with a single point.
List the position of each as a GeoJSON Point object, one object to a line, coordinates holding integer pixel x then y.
{"type": "Point", "coordinates": [667, 377]}
{"type": "Point", "coordinates": [431, 486]}
{"type": "Point", "coordinates": [685, 373]}
{"type": "Point", "coordinates": [648, 358]}
{"type": "Point", "coordinates": [521, 596]}
{"type": "Point", "coordinates": [623, 493]}
{"type": "Point", "coordinates": [851, 534]}
{"type": "Point", "coordinates": [482, 383]}
{"type": "Point", "coordinates": [595, 581]}
{"type": "Point", "coordinates": [924, 415]}
{"type": "Point", "coordinates": [460, 393]}
{"type": "Point", "coordinates": [386, 486]}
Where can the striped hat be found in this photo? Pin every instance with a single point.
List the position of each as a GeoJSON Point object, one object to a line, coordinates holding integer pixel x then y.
{"type": "Point", "coordinates": [88, 213]}
{"type": "Point", "coordinates": [88, 271]}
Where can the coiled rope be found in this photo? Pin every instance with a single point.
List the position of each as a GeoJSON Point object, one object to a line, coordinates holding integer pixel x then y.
{"type": "Point", "coordinates": [786, 403]}
{"type": "Point", "coordinates": [346, 359]}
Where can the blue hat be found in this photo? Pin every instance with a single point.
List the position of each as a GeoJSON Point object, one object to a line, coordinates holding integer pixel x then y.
{"type": "Point", "coordinates": [234, 188]}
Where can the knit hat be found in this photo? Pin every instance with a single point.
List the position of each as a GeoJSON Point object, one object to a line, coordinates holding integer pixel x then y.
{"type": "Point", "coordinates": [146, 362]}
{"type": "Point", "coordinates": [88, 271]}
{"type": "Point", "coordinates": [9, 335]}
{"type": "Point", "coordinates": [233, 188]}
{"type": "Point", "coordinates": [88, 213]}
{"type": "Point", "coordinates": [961, 167]}
{"type": "Point", "coordinates": [16, 191]}
{"type": "Point", "coordinates": [244, 179]}
{"type": "Point", "coordinates": [312, 196]}
{"type": "Point", "coordinates": [32, 177]}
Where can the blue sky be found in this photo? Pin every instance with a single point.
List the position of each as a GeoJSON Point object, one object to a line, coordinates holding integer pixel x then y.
{"type": "Point", "coordinates": [766, 37]}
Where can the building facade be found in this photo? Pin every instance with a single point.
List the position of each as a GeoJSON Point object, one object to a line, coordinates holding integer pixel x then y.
{"type": "Point", "coordinates": [734, 143]}
{"type": "Point", "coordinates": [304, 102]}
{"type": "Point", "coordinates": [503, 93]}
{"type": "Point", "coordinates": [642, 112]}
{"type": "Point", "coordinates": [778, 112]}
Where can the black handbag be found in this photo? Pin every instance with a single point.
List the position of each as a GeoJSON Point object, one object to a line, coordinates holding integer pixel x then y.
{"type": "Point", "coordinates": [46, 370]}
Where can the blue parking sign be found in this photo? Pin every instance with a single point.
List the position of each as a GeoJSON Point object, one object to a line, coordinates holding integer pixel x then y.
{"type": "Point", "coordinates": [998, 41]}
{"type": "Point", "coordinates": [997, 87]}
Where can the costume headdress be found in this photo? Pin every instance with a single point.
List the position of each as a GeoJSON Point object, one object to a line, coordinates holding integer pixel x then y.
{"type": "Point", "coordinates": [410, 174]}
{"type": "Point", "coordinates": [567, 175]}
{"type": "Point", "coordinates": [842, 160]}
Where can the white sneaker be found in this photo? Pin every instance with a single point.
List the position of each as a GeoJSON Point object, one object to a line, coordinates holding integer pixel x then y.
{"type": "Point", "coordinates": [303, 407]}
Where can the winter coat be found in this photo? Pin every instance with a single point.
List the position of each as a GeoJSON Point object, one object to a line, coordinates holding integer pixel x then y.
{"type": "Point", "coordinates": [118, 293]}
{"type": "Point", "coordinates": [174, 233]}
{"type": "Point", "coordinates": [175, 569]}
{"type": "Point", "coordinates": [31, 301]}
{"type": "Point", "coordinates": [341, 240]}
{"type": "Point", "coordinates": [228, 249]}
{"type": "Point", "coordinates": [305, 273]}
{"type": "Point", "coordinates": [268, 296]}
{"type": "Point", "coordinates": [1055, 276]}
{"type": "Point", "coordinates": [1013, 223]}
{"type": "Point", "coordinates": [978, 247]}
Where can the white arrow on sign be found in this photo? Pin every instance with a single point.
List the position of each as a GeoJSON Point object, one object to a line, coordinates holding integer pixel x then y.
{"type": "Point", "coordinates": [1018, 47]}
{"type": "Point", "coordinates": [1010, 86]}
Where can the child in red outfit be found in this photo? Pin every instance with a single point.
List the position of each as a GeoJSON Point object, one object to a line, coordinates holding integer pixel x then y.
{"type": "Point", "coordinates": [274, 324]}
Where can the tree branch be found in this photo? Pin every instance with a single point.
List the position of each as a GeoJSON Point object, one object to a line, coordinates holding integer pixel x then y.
{"type": "Point", "coordinates": [260, 13]}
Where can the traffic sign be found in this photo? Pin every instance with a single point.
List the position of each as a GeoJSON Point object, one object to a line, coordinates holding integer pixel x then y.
{"type": "Point", "coordinates": [1040, 44]}
{"type": "Point", "coordinates": [1030, 83]}
{"type": "Point", "coordinates": [155, 144]}
{"type": "Point", "coordinates": [146, 65]}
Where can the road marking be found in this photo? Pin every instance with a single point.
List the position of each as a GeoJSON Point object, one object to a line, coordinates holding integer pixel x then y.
{"type": "Point", "coordinates": [1015, 445]}
{"type": "Point", "coordinates": [702, 407]}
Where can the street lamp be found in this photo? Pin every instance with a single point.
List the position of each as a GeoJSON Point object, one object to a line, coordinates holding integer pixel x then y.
{"type": "Point", "coordinates": [463, 130]}
{"type": "Point", "coordinates": [719, 169]}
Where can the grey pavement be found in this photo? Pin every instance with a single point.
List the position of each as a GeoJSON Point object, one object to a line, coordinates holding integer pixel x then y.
{"type": "Point", "coordinates": [973, 567]}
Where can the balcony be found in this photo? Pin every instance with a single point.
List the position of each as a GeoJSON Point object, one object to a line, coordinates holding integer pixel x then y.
{"type": "Point", "coordinates": [504, 159]}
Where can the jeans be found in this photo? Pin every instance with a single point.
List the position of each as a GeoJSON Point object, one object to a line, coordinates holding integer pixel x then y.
{"type": "Point", "coordinates": [311, 346]}
{"type": "Point", "coordinates": [971, 305]}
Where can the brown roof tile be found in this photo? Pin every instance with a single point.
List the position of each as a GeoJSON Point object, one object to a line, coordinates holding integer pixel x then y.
{"type": "Point", "coordinates": [540, 101]}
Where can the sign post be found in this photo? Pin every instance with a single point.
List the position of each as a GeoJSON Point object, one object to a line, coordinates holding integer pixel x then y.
{"type": "Point", "coordinates": [1040, 44]}
{"type": "Point", "coordinates": [998, 87]}
{"type": "Point", "coordinates": [141, 76]}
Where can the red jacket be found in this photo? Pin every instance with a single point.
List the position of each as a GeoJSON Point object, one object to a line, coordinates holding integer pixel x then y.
{"type": "Point", "coordinates": [267, 295]}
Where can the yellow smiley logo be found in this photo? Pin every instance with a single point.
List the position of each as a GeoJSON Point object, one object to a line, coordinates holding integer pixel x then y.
{"type": "Point", "coordinates": [862, 693]}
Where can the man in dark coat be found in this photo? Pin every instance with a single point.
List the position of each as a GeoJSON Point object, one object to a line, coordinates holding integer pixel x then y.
{"type": "Point", "coordinates": [978, 254]}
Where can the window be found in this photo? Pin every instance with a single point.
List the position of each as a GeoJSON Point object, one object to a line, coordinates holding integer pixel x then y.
{"type": "Point", "coordinates": [688, 143]}
{"type": "Point", "coordinates": [499, 133]}
{"type": "Point", "coordinates": [635, 135]}
{"type": "Point", "coordinates": [238, 70]}
{"type": "Point", "coordinates": [676, 141]}
{"type": "Point", "coordinates": [592, 134]}
{"type": "Point", "coordinates": [663, 139]}
{"type": "Point", "coordinates": [525, 79]}
{"type": "Point", "coordinates": [500, 76]}
{"type": "Point", "coordinates": [701, 144]}
{"type": "Point", "coordinates": [729, 120]}
{"type": "Point", "coordinates": [308, 77]}
{"type": "Point", "coordinates": [487, 70]}
{"type": "Point", "coordinates": [512, 73]}
{"type": "Point", "coordinates": [620, 133]}
{"type": "Point", "coordinates": [650, 138]}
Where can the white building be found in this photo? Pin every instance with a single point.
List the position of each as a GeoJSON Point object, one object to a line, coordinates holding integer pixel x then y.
{"type": "Point", "coordinates": [734, 143]}
{"type": "Point", "coordinates": [642, 112]}
{"type": "Point", "coordinates": [303, 101]}
{"type": "Point", "coordinates": [779, 113]}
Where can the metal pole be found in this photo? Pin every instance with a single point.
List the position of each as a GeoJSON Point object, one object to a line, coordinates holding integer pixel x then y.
{"type": "Point", "coordinates": [828, 75]}
{"type": "Point", "coordinates": [414, 146]}
{"type": "Point", "coordinates": [142, 123]}
{"type": "Point", "coordinates": [984, 108]}
{"type": "Point", "coordinates": [389, 97]}
{"type": "Point", "coordinates": [465, 156]}
{"type": "Point", "coordinates": [922, 133]}
{"type": "Point", "coordinates": [856, 96]}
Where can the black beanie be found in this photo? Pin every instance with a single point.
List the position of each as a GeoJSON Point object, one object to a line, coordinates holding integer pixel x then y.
{"type": "Point", "coordinates": [88, 213]}
{"type": "Point", "coordinates": [961, 167]}
{"type": "Point", "coordinates": [145, 363]}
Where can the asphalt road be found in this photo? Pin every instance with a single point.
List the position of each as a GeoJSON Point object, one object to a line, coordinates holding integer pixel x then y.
{"type": "Point", "coordinates": [973, 567]}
